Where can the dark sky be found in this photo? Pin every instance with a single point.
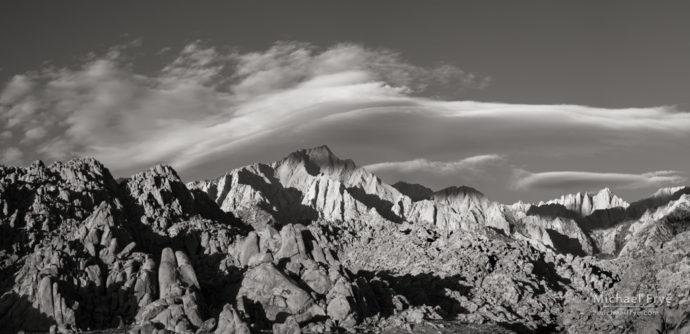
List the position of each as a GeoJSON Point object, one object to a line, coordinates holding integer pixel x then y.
{"type": "Point", "coordinates": [598, 53]}
{"type": "Point", "coordinates": [607, 55]}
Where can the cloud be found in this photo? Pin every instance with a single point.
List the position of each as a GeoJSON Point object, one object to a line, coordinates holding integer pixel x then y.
{"type": "Point", "coordinates": [476, 170]}
{"type": "Point", "coordinates": [12, 156]}
{"type": "Point", "coordinates": [472, 165]}
{"type": "Point", "coordinates": [204, 103]}
{"type": "Point", "coordinates": [18, 87]}
{"type": "Point", "coordinates": [208, 109]}
{"type": "Point", "coordinates": [590, 180]}
{"type": "Point", "coordinates": [36, 133]}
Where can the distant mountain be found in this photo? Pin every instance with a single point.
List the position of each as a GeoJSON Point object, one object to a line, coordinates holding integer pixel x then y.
{"type": "Point", "coordinates": [584, 204]}
{"type": "Point", "coordinates": [314, 184]}
{"type": "Point", "coordinates": [306, 185]}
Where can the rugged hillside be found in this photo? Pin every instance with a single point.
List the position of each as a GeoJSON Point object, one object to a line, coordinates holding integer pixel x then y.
{"type": "Point", "coordinates": [315, 184]}
{"type": "Point", "coordinates": [313, 243]}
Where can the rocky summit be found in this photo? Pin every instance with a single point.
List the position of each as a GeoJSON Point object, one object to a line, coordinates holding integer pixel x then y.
{"type": "Point", "coordinates": [314, 244]}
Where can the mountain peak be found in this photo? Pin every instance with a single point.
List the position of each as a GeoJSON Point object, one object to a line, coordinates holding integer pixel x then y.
{"type": "Point", "coordinates": [416, 192]}
{"type": "Point", "coordinates": [81, 162]}
{"type": "Point", "coordinates": [321, 150]}
{"type": "Point", "coordinates": [605, 191]}
{"type": "Point", "coordinates": [323, 156]}
{"type": "Point", "coordinates": [668, 191]}
{"type": "Point", "coordinates": [320, 159]}
{"type": "Point", "coordinates": [606, 199]}
{"type": "Point", "coordinates": [458, 191]}
{"type": "Point", "coordinates": [160, 170]}
{"type": "Point", "coordinates": [585, 203]}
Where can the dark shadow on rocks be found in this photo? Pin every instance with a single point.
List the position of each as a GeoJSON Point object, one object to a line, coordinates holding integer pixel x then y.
{"type": "Point", "coordinates": [217, 287]}
{"type": "Point", "coordinates": [101, 308]}
{"type": "Point", "coordinates": [18, 313]}
{"type": "Point", "coordinates": [7, 275]}
{"type": "Point", "coordinates": [9, 237]}
{"type": "Point", "coordinates": [676, 224]}
{"type": "Point", "coordinates": [152, 242]}
{"type": "Point", "coordinates": [283, 204]}
{"type": "Point", "coordinates": [382, 206]}
{"type": "Point", "coordinates": [255, 312]}
{"type": "Point", "coordinates": [546, 271]}
{"type": "Point", "coordinates": [565, 244]}
{"type": "Point", "coordinates": [421, 289]}
{"type": "Point", "coordinates": [603, 219]}
{"type": "Point", "coordinates": [416, 192]}
{"type": "Point", "coordinates": [208, 209]}
{"type": "Point", "coordinates": [193, 203]}
{"type": "Point", "coordinates": [637, 209]}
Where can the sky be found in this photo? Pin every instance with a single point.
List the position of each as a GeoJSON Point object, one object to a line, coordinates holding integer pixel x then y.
{"type": "Point", "coordinates": [522, 100]}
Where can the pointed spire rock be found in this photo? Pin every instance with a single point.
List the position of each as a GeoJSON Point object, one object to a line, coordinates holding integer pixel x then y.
{"type": "Point", "coordinates": [584, 203]}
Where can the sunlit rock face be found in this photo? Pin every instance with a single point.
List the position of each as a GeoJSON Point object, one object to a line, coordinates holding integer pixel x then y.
{"type": "Point", "coordinates": [314, 243]}
{"type": "Point", "coordinates": [584, 204]}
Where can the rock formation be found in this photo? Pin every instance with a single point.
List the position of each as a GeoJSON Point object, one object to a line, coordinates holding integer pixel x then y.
{"type": "Point", "coordinates": [312, 243]}
{"type": "Point", "coordinates": [584, 204]}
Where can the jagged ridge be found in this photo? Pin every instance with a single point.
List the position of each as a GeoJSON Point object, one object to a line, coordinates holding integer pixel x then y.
{"type": "Point", "coordinates": [81, 250]}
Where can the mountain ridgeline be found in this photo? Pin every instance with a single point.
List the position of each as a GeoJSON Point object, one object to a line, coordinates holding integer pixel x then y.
{"type": "Point", "coordinates": [313, 243]}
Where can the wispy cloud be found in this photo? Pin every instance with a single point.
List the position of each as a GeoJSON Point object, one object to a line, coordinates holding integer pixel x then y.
{"type": "Point", "coordinates": [563, 180]}
{"type": "Point", "coordinates": [208, 109]}
{"type": "Point", "coordinates": [472, 171]}
{"type": "Point", "coordinates": [205, 102]}
{"type": "Point", "coordinates": [471, 164]}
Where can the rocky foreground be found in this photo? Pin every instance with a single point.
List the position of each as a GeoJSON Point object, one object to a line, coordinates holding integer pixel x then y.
{"type": "Point", "coordinates": [314, 244]}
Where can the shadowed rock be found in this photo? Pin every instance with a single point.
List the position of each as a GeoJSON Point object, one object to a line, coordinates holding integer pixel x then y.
{"type": "Point", "coordinates": [78, 250]}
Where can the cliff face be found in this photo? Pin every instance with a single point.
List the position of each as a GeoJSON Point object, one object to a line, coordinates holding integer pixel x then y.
{"type": "Point", "coordinates": [80, 250]}
{"type": "Point", "coordinates": [315, 184]}
{"type": "Point", "coordinates": [585, 204]}
{"type": "Point", "coordinates": [306, 185]}
{"type": "Point", "coordinates": [314, 243]}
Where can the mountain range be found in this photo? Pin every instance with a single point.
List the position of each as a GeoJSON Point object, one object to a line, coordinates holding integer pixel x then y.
{"type": "Point", "coordinates": [314, 243]}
